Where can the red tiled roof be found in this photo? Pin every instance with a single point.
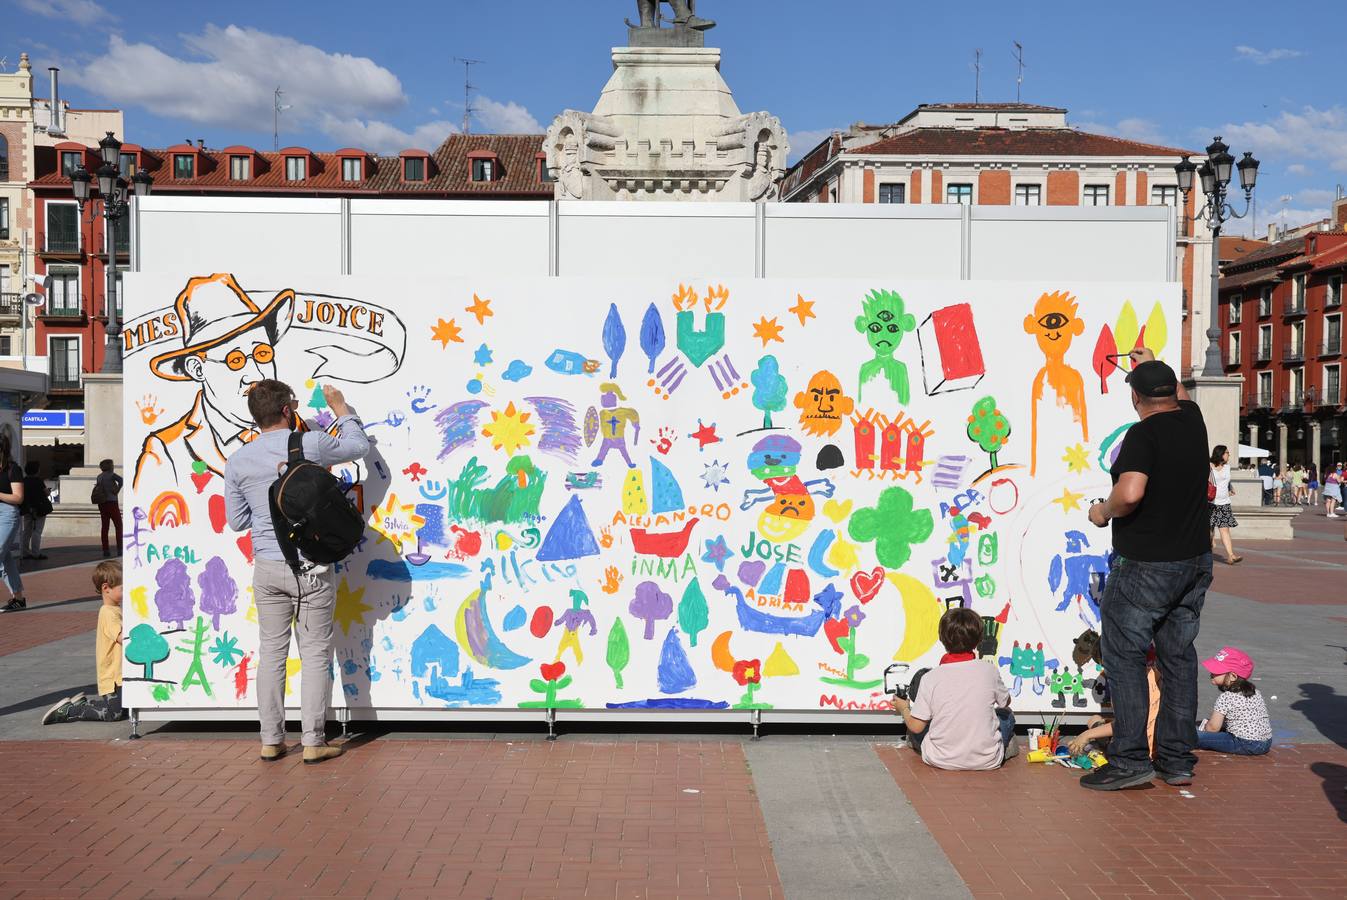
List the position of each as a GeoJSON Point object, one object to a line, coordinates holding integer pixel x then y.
{"type": "Point", "coordinates": [449, 170]}
{"type": "Point", "coordinates": [989, 107]}
{"type": "Point", "coordinates": [811, 162]}
{"type": "Point", "coordinates": [988, 142]}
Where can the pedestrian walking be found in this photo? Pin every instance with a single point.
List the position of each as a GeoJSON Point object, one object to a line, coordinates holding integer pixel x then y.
{"type": "Point", "coordinates": [1312, 479]}
{"type": "Point", "coordinates": [1222, 516]}
{"type": "Point", "coordinates": [107, 487]}
{"type": "Point", "coordinates": [35, 509]}
{"type": "Point", "coordinates": [1332, 492]}
{"type": "Point", "coordinates": [1154, 593]}
{"type": "Point", "coordinates": [11, 498]}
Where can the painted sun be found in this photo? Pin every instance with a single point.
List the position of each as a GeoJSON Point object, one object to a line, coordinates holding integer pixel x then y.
{"type": "Point", "coordinates": [510, 430]}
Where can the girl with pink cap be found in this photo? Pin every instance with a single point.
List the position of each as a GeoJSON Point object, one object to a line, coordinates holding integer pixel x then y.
{"type": "Point", "coordinates": [1239, 722]}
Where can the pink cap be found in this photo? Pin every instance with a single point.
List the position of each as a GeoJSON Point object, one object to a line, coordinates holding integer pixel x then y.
{"type": "Point", "coordinates": [1230, 659]}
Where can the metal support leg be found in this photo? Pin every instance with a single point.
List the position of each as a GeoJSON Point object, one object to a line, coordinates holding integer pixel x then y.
{"type": "Point", "coordinates": [756, 717]}
{"type": "Point", "coordinates": [344, 716]}
{"type": "Point", "coordinates": [551, 724]}
{"type": "Point", "coordinates": [135, 724]}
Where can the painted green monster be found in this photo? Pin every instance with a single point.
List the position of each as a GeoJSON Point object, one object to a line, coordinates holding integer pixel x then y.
{"type": "Point", "coordinates": [884, 320]}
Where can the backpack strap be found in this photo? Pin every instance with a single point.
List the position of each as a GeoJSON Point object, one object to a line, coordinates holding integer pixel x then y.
{"type": "Point", "coordinates": [294, 456]}
{"type": "Point", "coordinates": [295, 448]}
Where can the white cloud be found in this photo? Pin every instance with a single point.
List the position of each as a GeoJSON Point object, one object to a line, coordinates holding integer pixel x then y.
{"type": "Point", "coordinates": [81, 12]}
{"type": "Point", "coordinates": [381, 137]}
{"type": "Point", "coordinates": [1263, 57]}
{"type": "Point", "coordinates": [1297, 169]}
{"type": "Point", "coordinates": [1292, 217]}
{"type": "Point", "coordinates": [1312, 134]}
{"type": "Point", "coordinates": [1133, 128]}
{"type": "Point", "coordinates": [503, 118]}
{"type": "Point", "coordinates": [230, 81]}
{"type": "Point", "coordinates": [1315, 197]}
{"type": "Point", "coordinates": [801, 142]}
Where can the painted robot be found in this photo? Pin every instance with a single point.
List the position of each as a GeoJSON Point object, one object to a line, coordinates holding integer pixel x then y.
{"type": "Point", "coordinates": [790, 506]}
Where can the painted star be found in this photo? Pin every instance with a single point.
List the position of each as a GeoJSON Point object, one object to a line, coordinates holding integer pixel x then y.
{"type": "Point", "coordinates": [803, 308]}
{"type": "Point", "coordinates": [705, 434]}
{"type": "Point", "coordinates": [1076, 458]}
{"type": "Point", "coordinates": [483, 356]}
{"type": "Point", "coordinates": [445, 332]}
{"type": "Point", "coordinates": [767, 330]}
{"type": "Point", "coordinates": [715, 474]}
{"type": "Point", "coordinates": [350, 607]}
{"type": "Point", "coordinates": [480, 308]}
{"type": "Point", "coordinates": [1068, 500]}
{"type": "Point", "coordinates": [717, 553]}
{"type": "Point", "coordinates": [396, 522]}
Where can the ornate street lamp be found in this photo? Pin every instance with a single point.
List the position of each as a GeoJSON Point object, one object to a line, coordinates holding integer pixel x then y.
{"type": "Point", "coordinates": [115, 192]}
{"type": "Point", "coordinates": [1214, 175]}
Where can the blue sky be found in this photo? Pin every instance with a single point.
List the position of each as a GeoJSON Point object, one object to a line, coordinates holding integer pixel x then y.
{"type": "Point", "coordinates": [382, 75]}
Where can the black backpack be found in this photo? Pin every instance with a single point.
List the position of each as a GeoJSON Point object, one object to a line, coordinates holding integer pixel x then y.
{"type": "Point", "coordinates": [310, 511]}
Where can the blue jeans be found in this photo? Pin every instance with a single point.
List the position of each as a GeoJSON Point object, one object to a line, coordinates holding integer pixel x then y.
{"type": "Point", "coordinates": [9, 560]}
{"type": "Point", "coordinates": [1159, 603]}
{"type": "Point", "coordinates": [1225, 742]}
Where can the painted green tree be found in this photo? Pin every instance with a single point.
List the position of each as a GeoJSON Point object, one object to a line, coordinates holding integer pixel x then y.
{"type": "Point", "coordinates": [693, 615]}
{"type": "Point", "coordinates": [619, 649]}
{"type": "Point", "coordinates": [988, 427]}
{"type": "Point", "coordinates": [769, 388]}
{"type": "Point", "coordinates": [146, 647]}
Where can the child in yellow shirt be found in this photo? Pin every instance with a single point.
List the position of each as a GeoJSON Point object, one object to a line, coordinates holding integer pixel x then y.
{"type": "Point", "coordinates": [107, 707]}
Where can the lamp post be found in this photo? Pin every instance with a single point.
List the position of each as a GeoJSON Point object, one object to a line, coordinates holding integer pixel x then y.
{"type": "Point", "coordinates": [1214, 173]}
{"type": "Point", "coordinates": [115, 192]}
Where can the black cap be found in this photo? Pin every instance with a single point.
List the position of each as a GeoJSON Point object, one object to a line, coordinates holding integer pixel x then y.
{"type": "Point", "coordinates": [1153, 379]}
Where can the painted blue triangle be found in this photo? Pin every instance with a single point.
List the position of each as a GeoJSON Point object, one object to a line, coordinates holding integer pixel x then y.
{"type": "Point", "coordinates": [570, 536]}
{"type": "Point", "coordinates": [665, 493]}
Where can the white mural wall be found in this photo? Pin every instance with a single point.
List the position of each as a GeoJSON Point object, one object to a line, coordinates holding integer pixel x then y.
{"type": "Point", "coordinates": [640, 494]}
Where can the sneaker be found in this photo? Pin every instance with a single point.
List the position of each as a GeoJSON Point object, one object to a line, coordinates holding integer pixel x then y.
{"type": "Point", "coordinates": [1110, 778]}
{"type": "Point", "coordinates": [15, 605]}
{"type": "Point", "coordinates": [60, 712]}
{"type": "Point", "coordinates": [314, 755]}
{"type": "Point", "coordinates": [1012, 751]}
{"type": "Point", "coordinates": [1175, 779]}
{"type": "Point", "coordinates": [39, 557]}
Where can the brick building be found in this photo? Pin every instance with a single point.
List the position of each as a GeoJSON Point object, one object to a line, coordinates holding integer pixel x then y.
{"type": "Point", "coordinates": [1007, 154]}
{"type": "Point", "coordinates": [1281, 314]}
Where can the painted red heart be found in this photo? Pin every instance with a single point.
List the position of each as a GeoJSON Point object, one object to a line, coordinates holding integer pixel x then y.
{"type": "Point", "coordinates": [215, 506]}
{"type": "Point", "coordinates": [835, 629]}
{"type": "Point", "coordinates": [552, 671]}
{"type": "Point", "coordinates": [201, 479]}
{"type": "Point", "coordinates": [245, 544]}
{"type": "Point", "coordinates": [866, 584]}
{"type": "Point", "coordinates": [541, 623]}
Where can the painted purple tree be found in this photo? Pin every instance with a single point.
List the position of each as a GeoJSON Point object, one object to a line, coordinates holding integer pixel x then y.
{"type": "Point", "coordinates": [650, 604]}
{"type": "Point", "coordinates": [219, 591]}
{"type": "Point", "coordinates": [174, 598]}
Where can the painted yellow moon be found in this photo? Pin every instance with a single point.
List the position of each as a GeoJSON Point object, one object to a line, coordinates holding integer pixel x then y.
{"type": "Point", "coordinates": [921, 617]}
{"type": "Point", "coordinates": [720, 652]}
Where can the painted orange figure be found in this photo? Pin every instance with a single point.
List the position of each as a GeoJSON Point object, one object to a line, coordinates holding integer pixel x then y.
{"type": "Point", "coordinates": [1054, 323]}
{"type": "Point", "coordinates": [822, 404]}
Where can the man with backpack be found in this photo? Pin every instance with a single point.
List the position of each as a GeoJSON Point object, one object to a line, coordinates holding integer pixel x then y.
{"type": "Point", "coordinates": [290, 588]}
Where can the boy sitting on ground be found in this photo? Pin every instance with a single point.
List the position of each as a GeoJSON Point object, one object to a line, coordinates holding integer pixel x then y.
{"type": "Point", "coordinates": [107, 707]}
{"type": "Point", "coordinates": [961, 717]}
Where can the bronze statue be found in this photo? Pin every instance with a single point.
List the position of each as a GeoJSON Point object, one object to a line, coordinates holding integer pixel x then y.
{"type": "Point", "coordinates": [685, 14]}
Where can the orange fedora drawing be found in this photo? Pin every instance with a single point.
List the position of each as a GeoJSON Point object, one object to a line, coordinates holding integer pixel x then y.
{"type": "Point", "coordinates": [212, 310]}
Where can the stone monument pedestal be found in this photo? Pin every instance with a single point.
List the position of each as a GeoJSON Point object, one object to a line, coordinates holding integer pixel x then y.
{"type": "Point", "coordinates": [74, 515]}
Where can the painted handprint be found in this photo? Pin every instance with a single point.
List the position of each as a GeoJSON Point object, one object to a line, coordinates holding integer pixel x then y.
{"type": "Point", "coordinates": [605, 537]}
{"type": "Point", "coordinates": [150, 411]}
{"type": "Point", "coordinates": [612, 580]}
{"type": "Point", "coordinates": [663, 442]}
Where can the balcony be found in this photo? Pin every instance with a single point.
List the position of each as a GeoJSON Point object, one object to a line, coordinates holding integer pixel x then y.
{"type": "Point", "coordinates": [1294, 307]}
{"type": "Point", "coordinates": [1334, 296]}
{"type": "Point", "coordinates": [1232, 360]}
{"type": "Point", "coordinates": [61, 379]}
{"type": "Point", "coordinates": [1329, 396]}
{"type": "Point", "coordinates": [1262, 353]}
{"type": "Point", "coordinates": [1260, 400]}
{"type": "Point", "coordinates": [1293, 353]}
{"type": "Point", "coordinates": [11, 306]}
{"type": "Point", "coordinates": [1331, 347]}
{"type": "Point", "coordinates": [62, 245]}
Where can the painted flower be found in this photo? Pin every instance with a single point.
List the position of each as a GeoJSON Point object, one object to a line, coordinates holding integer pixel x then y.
{"type": "Point", "coordinates": [748, 671]}
{"type": "Point", "coordinates": [552, 671]}
{"type": "Point", "coordinates": [836, 629]}
{"type": "Point", "coordinates": [854, 616]}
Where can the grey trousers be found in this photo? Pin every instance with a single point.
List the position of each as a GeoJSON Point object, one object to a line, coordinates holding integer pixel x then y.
{"type": "Point", "coordinates": [305, 602]}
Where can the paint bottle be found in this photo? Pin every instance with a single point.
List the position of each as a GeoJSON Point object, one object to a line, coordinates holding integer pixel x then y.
{"type": "Point", "coordinates": [1039, 756]}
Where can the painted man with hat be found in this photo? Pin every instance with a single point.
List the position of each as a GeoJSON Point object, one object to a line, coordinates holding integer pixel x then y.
{"type": "Point", "coordinates": [229, 344]}
{"type": "Point", "coordinates": [1155, 591]}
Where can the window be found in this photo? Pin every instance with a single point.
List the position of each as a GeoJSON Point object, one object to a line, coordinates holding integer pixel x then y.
{"type": "Point", "coordinates": [1297, 397]}
{"type": "Point", "coordinates": [1235, 340]}
{"type": "Point", "coordinates": [184, 166]}
{"type": "Point", "coordinates": [4, 159]}
{"type": "Point", "coordinates": [1096, 195]}
{"type": "Point", "coordinates": [70, 161]}
{"type": "Point", "coordinates": [1332, 385]}
{"type": "Point", "coordinates": [1236, 308]}
{"type": "Point", "coordinates": [413, 169]}
{"type": "Point", "coordinates": [240, 168]}
{"type": "Point", "coordinates": [893, 193]}
{"type": "Point", "coordinates": [64, 353]}
{"type": "Point", "coordinates": [1264, 343]}
{"type": "Point", "coordinates": [126, 165]}
{"type": "Point", "coordinates": [483, 170]}
{"type": "Point", "coordinates": [4, 280]}
{"type": "Point", "coordinates": [1265, 303]}
{"type": "Point", "coordinates": [1297, 350]}
{"type": "Point", "coordinates": [121, 235]}
{"type": "Point", "coordinates": [1265, 389]}
{"type": "Point", "coordinates": [63, 299]}
{"type": "Point", "coordinates": [1028, 195]}
{"type": "Point", "coordinates": [4, 218]}
{"type": "Point", "coordinates": [832, 194]}
{"type": "Point", "coordinates": [296, 168]}
{"type": "Point", "coordinates": [1334, 291]}
{"type": "Point", "coordinates": [63, 228]}
{"type": "Point", "coordinates": [121, 302]}
{"type": "Point", "coordinates": [1164, 195]}
{"type": "Point", "coordinates": [544, 173]}
{"type": "Point", "coordinates": [1332, 336]}
{"type": "Point", "coordinates": [959, 193]}
{"type": "Point", "coordinates": [350, 169]}
{"type": "Point", "coordinates": [1298, 292]}
{"type": "Point", "coordinates": [6, 348]}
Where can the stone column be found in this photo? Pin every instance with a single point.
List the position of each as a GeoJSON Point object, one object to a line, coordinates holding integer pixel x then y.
{"type": "Point", "coordinates": [1314, 443]}
{"type": "Point", "coordinates": [1219, 399]}
{"type": "Point", "coordinates": [1281, 442]}
{"type": "Point", "coordinates": [1254, 437]}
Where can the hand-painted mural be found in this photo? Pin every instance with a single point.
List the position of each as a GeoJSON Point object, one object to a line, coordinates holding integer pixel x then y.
{"type": "Point", "coordinates": [640, 494]}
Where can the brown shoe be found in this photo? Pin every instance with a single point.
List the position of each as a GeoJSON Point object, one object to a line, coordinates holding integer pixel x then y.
{"type": "Point", "coordinates": [314, 755]}
{"type": "Point", "coordinates": [272, 752]}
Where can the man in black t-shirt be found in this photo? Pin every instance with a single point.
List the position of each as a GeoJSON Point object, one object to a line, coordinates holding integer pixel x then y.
{"type": "Point", "coordinates": [1154, 594]}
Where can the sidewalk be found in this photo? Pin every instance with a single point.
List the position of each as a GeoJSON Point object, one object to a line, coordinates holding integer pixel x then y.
{"type": "Point", "coordinates": [190, 812]}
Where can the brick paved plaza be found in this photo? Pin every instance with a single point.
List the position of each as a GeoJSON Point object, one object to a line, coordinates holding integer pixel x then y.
{"type": "Point", "coordinates": [190, 812]}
